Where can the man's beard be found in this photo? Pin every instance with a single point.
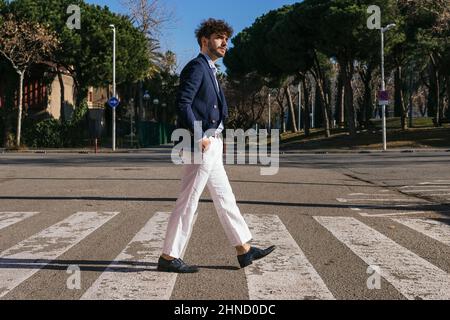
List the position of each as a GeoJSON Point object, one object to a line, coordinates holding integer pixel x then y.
{"type": "Point", "coordinates": [216, 52]}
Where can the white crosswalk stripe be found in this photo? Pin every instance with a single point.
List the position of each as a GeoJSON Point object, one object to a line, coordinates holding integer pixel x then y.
{"type": "Point", "coordinates": [432, 228]}
{"type": "Point", "coordinates": [144, 284]}
{"type": "Point", "coordinates": [9, 218]}
{"type": "Point", "coordinates": [411, 275]}
{"type": "Point", "coordinates": [286, 273]}
{"type": "Point", "coordinates": [45, 246]}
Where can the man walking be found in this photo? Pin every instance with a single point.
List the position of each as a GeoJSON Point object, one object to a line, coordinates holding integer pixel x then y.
{"type": "Point", "coordinates": [200, 98]}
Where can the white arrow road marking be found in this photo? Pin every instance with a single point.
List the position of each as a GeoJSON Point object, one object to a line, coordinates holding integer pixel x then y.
{"type": "Point", "coordinates": [411, 275]}
{"type": "Point", "coordinates": [432, 228]}
{"type": "Point", "coordinates": [45, 246]}
{"type": "Point", "coordinates": [10, 218]}
{"type": "Point", "coordinates": [146, 283]}
{"type": "Point", "coordinates": [286, 273]}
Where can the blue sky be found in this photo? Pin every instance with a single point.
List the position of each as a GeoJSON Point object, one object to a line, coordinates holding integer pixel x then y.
{"type": "Point", "coordinates": [179, 37]}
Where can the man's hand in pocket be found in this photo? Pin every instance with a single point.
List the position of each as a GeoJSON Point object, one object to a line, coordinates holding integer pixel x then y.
{"type": "Point", "coordinates": [205, 144]}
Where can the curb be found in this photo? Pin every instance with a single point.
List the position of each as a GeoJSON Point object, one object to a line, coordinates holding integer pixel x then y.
{"type": "Point", "coordinates": [164, 150]}
{"type": "Point", "coordinates": [336, 151]}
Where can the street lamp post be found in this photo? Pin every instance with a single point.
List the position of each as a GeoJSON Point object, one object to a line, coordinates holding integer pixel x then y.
{"type": "Point", "coordinates": [156, 115]}
{"type": "Point", "coordinates": [163, 121]}
{"type": "Point", "coordinates": [141, 136]}
{"type": "Point", "coordinates": [146, 98]}
{"type": "Point", "coordinates": [270, 124]}
{"type": "Point", "coordinates": [383, 83]}
{"type": "Point", "coordinates": [114, 89]}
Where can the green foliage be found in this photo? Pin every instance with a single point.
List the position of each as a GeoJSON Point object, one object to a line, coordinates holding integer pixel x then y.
{"type": "Point", "coordinates": [52, 133]}
{"type": "Point", "coordinates": [253, 50]}
{"type": "Point", "coordinates": [88, 52]}
{"type": "Point", "coordinates": [46, 133]}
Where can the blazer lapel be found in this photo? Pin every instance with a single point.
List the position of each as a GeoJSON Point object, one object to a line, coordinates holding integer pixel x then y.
{"type": "Point", "coordinates": [211, 75]}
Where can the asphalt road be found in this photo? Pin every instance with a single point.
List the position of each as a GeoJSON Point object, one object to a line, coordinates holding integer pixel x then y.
{"type": "Point", "coordinates": [346, 226]}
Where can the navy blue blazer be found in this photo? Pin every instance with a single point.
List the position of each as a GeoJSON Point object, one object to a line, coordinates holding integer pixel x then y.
{"type": "Point", "coordinates": [198, 98]}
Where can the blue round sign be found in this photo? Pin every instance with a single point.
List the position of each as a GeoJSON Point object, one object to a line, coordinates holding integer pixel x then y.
{"type": "Point", "coordinates": [113, 102]}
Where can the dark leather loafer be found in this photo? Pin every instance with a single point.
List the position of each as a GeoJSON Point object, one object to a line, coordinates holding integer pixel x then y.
{"type": "Point", "coordinates": [253, 254]}
{"type": "Point", "coordinates": [175, 265]}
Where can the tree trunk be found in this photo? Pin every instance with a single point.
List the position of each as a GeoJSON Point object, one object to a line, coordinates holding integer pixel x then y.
{"type": "Point", "coordinates": [399, 107]}
{"type": "Point", "coordinates": [291, 108]}
{"type": "Point", "coordinates": [280, 98]}
{"type": "Point", "coordinates": [366, 76]}
{"type": "Point", "coordinates": [63, 98]}
{"type": "Point", "coordinates": [437, 99]}
{"type": "Point", "coordinates": [340, 114]}
{"type": "Point", "coordinates": [325, 106]}
{"type": "Point", "coordinates": [306, 110]}
{"type": "Point", "coordinates": [367, 104]}
{"type": "Point", "coordinates": [283, 123]}
{"type": "Point", "coordinates": [435, 91]}
{"type": "Point", "coordinates": [447, 81]}
{"type": "Point", "coordinates": [348, 100]}
{"type": "Point", "coordinates": [19, 117]}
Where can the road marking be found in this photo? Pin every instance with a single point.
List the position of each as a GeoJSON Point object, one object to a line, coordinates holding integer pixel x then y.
{"type": "Point", "coordinates": [365, 214]}
{"type": "Point", "coordinates": [428, 190]}
{"type": "Point", "coordinates": [432, 228]}
{"type": "Point", "coordinates": [396, 200]}
{"type": "Point", "coordinates": [413, 276]}
{"type": "Point", "coordinates": [10, 218]}
{"type": "Point", "coordinates": [286, 273]}
{"type": "Point", "coordinates": [45, 246]}
{"type": "Point", "coordinates": [146, 283]}
{"type": "Point", "coordinates": [416, 204]}
{"type": "Point", "coordinates": [435, 183]}
{"type": "Point", "coordinates": [373, 194]}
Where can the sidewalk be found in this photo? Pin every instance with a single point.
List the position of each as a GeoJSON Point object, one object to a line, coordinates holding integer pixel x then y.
{"type": "Point", "coordinates": [162, 149]}
{"type": "Point", "coordinates": [166, 149]}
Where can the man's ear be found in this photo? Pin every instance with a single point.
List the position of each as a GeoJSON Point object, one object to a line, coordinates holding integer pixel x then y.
{"type": "Point", "coordinates": [204, 41]}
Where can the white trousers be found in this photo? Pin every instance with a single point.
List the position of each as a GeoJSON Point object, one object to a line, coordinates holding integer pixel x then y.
{"type": "Point", "coordinates": [210, 172]}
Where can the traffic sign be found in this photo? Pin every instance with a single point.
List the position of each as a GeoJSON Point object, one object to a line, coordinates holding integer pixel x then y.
{"type": "Point", "coordinates": [113, 102]}
{"type": "Point", "coordinates": [383, 97]}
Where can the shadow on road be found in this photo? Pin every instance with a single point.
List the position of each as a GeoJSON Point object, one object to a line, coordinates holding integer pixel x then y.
{"type": "Point", "coordinates": [87, 265]}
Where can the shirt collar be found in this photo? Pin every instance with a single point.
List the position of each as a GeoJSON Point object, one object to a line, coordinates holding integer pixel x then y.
{"type": "Point", "coordinates": [210, 62]}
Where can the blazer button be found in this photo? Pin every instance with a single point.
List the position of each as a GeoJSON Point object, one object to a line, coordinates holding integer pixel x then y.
{"type": "Point", "coordinates": [215, 107]}
{"type": "Point", "coordinates": [213, 121]}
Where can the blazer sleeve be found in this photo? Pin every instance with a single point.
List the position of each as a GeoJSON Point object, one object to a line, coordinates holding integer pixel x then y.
{"type": "Point", "coordinates": [190, 81]}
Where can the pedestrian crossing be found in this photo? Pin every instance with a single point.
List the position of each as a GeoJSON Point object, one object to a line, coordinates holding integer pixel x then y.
{"type": "Point", "coordinates": [412, 275]}
{"type": "Point", "coordinates": [9, 218]}
{"type": "Point", "coordinates": [287, 273]}
{"type": "Point", "coordinates": [47, 245]}
{"type": "Point", "coordinates": [144, 250]}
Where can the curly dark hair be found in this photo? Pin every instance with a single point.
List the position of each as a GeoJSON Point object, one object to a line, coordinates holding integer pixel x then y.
{"type": "Point", "coordinates": [210, 26]}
